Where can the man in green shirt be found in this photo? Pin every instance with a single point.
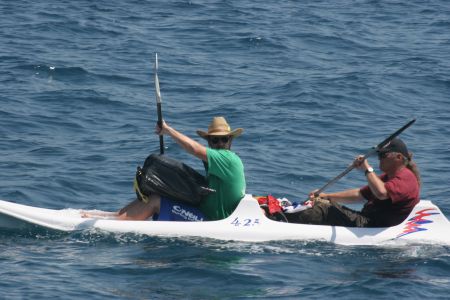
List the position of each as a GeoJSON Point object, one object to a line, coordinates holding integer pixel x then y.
{"type": "Point", "coordinates": [225, 174]}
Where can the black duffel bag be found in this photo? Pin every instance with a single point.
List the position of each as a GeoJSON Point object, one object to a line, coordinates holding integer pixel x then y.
{"type": "Point", "coordinates": [172, 179]}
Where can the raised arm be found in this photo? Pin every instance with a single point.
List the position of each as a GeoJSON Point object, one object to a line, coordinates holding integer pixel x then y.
{"type": "Point", "coordinates": [376, 185]}
{"type": "Point", "coordinates": [191, 146]}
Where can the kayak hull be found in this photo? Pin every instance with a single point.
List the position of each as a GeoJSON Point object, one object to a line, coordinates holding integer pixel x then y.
{"type": "Point", "coordinates": [425, 224]}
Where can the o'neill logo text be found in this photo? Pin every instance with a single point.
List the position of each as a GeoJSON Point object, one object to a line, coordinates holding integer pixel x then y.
{"type": "Point", "coordinates": [187, 215]}
{"type": "Point", "coordinates": [414, 224]}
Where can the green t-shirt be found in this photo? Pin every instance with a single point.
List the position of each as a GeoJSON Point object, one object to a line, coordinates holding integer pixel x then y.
{"type": "Point", "coordinates": [225, 174]}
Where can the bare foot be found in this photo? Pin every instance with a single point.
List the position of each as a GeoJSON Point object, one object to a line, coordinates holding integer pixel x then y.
{"type": "Point", "coordinates": [85, 214]}
{"type": "Point", "coordinates": [98, 214]}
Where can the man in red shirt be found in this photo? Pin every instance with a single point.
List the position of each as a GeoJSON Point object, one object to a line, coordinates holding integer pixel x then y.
{"type": "Point", "coordinates": [390, 196]}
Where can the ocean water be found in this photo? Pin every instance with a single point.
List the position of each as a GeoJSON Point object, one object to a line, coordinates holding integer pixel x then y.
{"type": "Point", "coordinates": [313, 83]}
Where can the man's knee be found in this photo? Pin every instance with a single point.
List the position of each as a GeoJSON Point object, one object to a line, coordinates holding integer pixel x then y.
{"type": "Point", "coordinates": [138, 210]}
{"type": "Point", "coordinates": [315, 215]}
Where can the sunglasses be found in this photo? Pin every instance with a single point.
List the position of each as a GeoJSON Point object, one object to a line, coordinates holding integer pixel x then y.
{"type": "Point", "coordinates": [216, 140]}
{"type": "Point", "coordinates": [383, 155]}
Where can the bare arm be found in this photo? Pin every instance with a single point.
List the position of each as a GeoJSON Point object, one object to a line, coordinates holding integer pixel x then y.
{"type": "Point", "coordinates": [347, 196]}
{"type": "Point", "coordinates": [191, 146]}
{"type": "Point", "coordinates": [376, 185]}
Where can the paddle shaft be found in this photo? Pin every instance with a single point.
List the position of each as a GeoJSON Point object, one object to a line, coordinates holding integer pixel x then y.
{"type": "Point", "coordinates": [158, 105]}
{"type": "Point", "coordinates": [368, 154]}
{"type": "Point", "coordinates": [161, 138]}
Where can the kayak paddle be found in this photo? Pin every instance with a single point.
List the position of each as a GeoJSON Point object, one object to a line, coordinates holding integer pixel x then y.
{"type": "Point", "coordinates": [370, 153]}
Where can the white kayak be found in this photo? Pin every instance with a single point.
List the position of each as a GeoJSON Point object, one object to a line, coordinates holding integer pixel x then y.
{"type": "Point", "coordinates": [425, 224]}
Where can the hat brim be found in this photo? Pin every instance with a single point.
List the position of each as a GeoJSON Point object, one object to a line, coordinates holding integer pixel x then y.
{"type": "Point", "coordinates": [235, 133]}
{"type": "Point", "coordinates": [384, 150]}
{"type": "Point", "coordinates": [396, 145]}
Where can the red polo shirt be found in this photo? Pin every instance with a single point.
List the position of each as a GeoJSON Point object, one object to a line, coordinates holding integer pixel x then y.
{"type": "Point", "coordinates": [403, 191]}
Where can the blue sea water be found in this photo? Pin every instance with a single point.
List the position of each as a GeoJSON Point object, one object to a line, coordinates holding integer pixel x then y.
{"type": "Point", "coordinates": [313, 83]}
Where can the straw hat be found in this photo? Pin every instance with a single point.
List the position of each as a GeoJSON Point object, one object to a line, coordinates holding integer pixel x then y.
{"type": "Point", "coordinates": [219, 127]}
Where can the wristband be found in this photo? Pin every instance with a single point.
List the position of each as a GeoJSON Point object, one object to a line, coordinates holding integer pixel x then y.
{"type": "Point", "coordinates": [369, 170]}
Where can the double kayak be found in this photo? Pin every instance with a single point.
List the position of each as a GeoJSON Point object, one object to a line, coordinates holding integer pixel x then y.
{"type": "Point", "coordinates": [426, 224]}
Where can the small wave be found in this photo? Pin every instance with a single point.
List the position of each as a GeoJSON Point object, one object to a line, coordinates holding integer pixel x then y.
{"type": "Point", "coordinates": [95, 158]}
{"type": "Point", "coordinates": [67, 71]}
{"type": "Point", "coordinates": [31, 232]}
{"type": "Point", "coordinates": [48, 150]}
{"type": "Point", "coordinates": [95, 237]}
{"type": "Point", "coordinates": [73, 100]}
{"type": "Point", "coordinates": [53, 69]}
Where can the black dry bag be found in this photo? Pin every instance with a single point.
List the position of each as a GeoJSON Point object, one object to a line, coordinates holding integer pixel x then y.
{"type": "Point", "coordinates": [172, 179]}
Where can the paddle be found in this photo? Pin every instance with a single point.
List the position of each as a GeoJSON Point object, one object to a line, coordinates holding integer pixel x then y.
{"type": "Point", "coordinates": [370, 153]}
{"type": "Point", "coordinates": [158, 104]}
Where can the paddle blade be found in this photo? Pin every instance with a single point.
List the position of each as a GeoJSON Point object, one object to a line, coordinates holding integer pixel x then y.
{"type": "Point", "coordinates": [394, 135]}
{"type": "Point", "coordinates": [157, 90]}
{"type": "Point", "coordinates": [158, 104]}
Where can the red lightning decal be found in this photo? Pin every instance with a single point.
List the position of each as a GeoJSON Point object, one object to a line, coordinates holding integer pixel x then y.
{"type": "Point", "coordinates": [418, 220]}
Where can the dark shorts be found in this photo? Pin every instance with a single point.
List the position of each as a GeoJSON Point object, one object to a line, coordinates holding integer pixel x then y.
{"type": "Point", "coordinates": [331, 213]}
{"type": "Point", "coordinates": [171, 210]}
